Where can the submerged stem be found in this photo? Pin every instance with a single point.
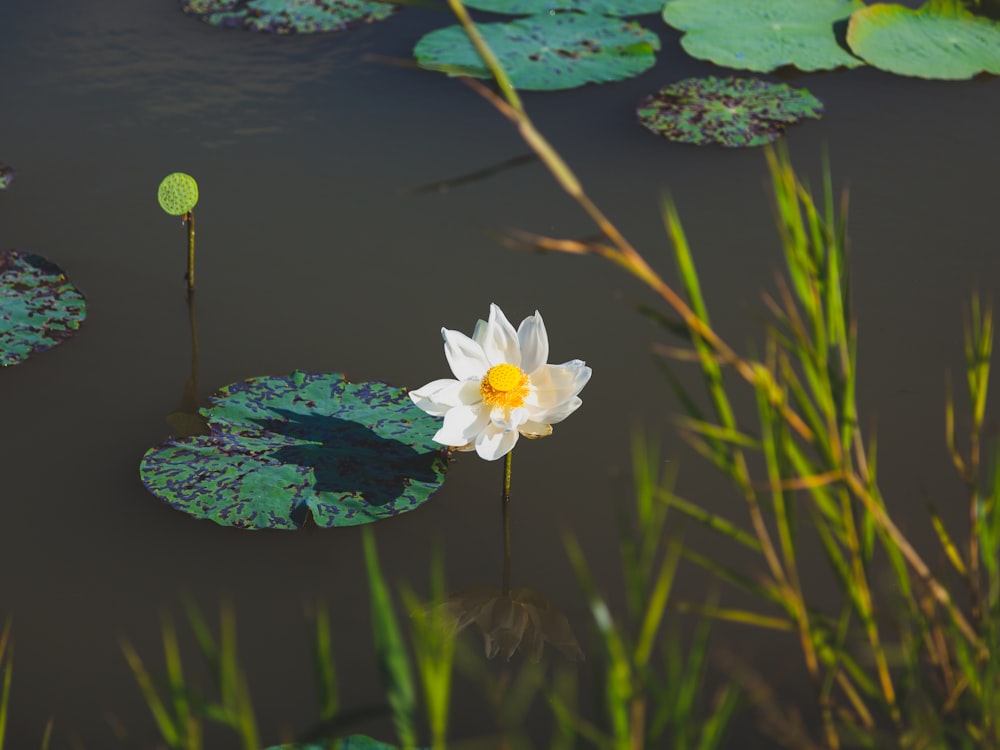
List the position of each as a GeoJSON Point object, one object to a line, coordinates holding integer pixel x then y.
{"type": "Point", "coordinates": [505, 502]}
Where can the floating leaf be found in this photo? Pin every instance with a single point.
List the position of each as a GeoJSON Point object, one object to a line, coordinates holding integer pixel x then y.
{"type": "Point", "coordinates": [288, 16]}
{"type": "Point", "coordinates": [727, 111]}
{"type": "Point", "coordinates": [6, 176]}
{"type": "Point", "coordinates": [39, 307]}
{"type": "Point", "coordinates": [354, 742]}
{"type": "Point", "coordinates": [762, 35]}
{"type": "Point", "coordinates": [940, 40]}
{"type": "Point", "coordinates": [280, 448]}
{"type": "Point", "coordinates": [178, 193]}
{"type": "Point", "coordinates": [537, 7]}
{"type": "Point", "coordinates": [548, 52]}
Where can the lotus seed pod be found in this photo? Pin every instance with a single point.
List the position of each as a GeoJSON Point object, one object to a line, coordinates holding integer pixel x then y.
{"type": "Point", "coordinates": [178, 193]}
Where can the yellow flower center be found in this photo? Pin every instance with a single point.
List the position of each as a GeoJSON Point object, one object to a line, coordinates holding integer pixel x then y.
{"type": "Point", "coordinates": [505, 386]}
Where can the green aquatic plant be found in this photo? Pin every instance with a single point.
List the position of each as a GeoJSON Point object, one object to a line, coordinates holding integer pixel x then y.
{"type": "Point", "coordinates": [288, 16]}
{"type": "Point", "coordinates": [735, 112]}
{"type": "Point", "coordinates": [762, 35]}
{"type": "Point", "coordinates": [284, 449]}
{"type": "Point", "coordinates": [918, 666]}
{"type": "Point", "coordinates": [538, 7]}
{"type": "Point", "coordinates": [178, 195]}
{"type": "Point", "coordinates": [546, 52]}
{"type": "Point", "coordinates": [940, 40]}
{"type": "Point", "coordinates": [39, 307]}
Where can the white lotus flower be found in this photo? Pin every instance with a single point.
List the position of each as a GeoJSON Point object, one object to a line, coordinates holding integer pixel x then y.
{"type": "Point", "coordinates": [503, 387]}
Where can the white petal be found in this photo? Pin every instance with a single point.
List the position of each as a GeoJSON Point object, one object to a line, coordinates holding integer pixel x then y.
{"type": "Point", "coordinates": [461, 425]}
{"type": "Point", "coordinates": [500, 340]}
{"type": "Point", "coordinates": [534, 342]}
{"type": "Point", "coordinates": [438, 396]}
{"type": "Point", "coordinates": [465, 356]}
{"type": "Point", "coordinates": [494, 442]}
{"type": "Point", "coordinates": [557, 413]}
{"type": "Point", "coordinates": [551, 385]}
{"type": "Point", "coordinates": [479, 332]}
{"type": "Point", "coordinates": [509, 421]}
{"type": "Point", "coordinates": [532, 429]}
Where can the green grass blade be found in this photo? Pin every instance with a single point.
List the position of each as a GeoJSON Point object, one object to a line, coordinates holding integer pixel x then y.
{"type": "Point", "coordinates": [711, 520]}
{"type": "Point", "coordinates": [713, 730]}
{"type": "Point", "coordinates": [203, 635]}
{"type": "Point", "coordinates": [737, 615]}
{"type": "Point", "coordinates": [171, 733]}
{"type": "Point", "coordinates": [327, 692]}
{"type": "Point", "coordinates": [46, 734]}
{"type": "Point", "coordinates": [184, 719]}
{"type": "Point", "coordinates": [618, 678]}
{"type": "Point", "coordinates": [954, 556]}
{"type": "Point", "coordinates": [657, 605]}
{"type": "Point", "coordinates": [392, 659]}
{"type": "Point", "coordinates": [725, 573]}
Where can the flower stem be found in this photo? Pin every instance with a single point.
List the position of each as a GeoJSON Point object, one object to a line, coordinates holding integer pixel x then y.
{"type": "Point", "coordinates": [189, 220]}
{"type": "Point", "coordinates": [505, 501]}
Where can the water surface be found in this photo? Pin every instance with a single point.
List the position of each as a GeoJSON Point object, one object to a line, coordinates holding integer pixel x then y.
{"type": "Point", "coordinates": [316, 253]}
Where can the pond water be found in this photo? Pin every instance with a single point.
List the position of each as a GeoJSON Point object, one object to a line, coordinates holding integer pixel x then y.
{"type": "Point", "coordinates": [317, 252]}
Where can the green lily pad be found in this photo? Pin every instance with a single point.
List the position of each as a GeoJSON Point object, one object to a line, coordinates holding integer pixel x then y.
{"type": "Point", "coordinates": [6, 176]}
{"type": "Point", "coordinates": [537, 7]}
{"type": "Point", "coordinates": [39, 307]}
{"type": "Point", "coordinates": [940, 40]}
{"type": "Point", "coordinates": [280, 448]}
{"type": "Point", "coordinates": [547, 52]}
{"type": "Point", "coordinates": [762, 35]}
{"type": "Point", "coordinates": [733, 112]}
{"type": "Point", "coordinates": [354, 742]}
{"type": "Point", "coordinates": [288, 16]}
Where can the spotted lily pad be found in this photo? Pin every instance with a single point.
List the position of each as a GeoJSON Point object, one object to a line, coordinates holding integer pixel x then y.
{"type": "Point", "coordinates": [6, 176]}
{"type": "Point", "coordinates": [39, 307]}
{"type": "Point", "coordinates": [535, 7]}
{"type": "Point", "coordinates": [727, 111]}
{"type": "Point", "coordinates": [940, 40]}
{"type": "Point", "coordinates": [281, 448]}
{"type": "Point", "coordinates": [288, 16]}
{"type": "Point", "coordinates": [547, 52]}
{"type": "Point", "coordinates": [762, 35]}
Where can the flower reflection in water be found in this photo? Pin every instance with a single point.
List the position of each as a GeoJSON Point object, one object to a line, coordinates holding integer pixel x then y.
{"type": "Point", "coordinates": [520, 619]}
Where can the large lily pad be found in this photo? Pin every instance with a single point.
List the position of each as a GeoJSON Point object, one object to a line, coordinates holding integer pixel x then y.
{"type": "Point", "coordinates": [940, 40]}
{"type": "Point", "coordinates": [537, 7]}
{"type": "Point", "coordinates": [39, 307]}
{"type": "Point", "coordinates": [728, 111]}
{"type": "Point", "coordinates": [762, 35]}
{"type": "Point", "coordinates": [288, 16]}
{"type": "Point", "coordinates": [281, 448]}
{"type": "Point", "coordinates": [548, 52]}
